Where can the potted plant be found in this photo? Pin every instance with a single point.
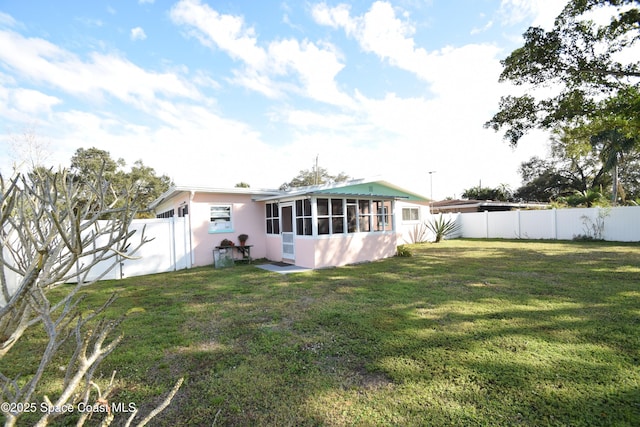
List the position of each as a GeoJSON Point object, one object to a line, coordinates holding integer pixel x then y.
{"type": "Point", "coordinates": [242, 238]}
{"type": "Point", "coordinates": [226, 243]}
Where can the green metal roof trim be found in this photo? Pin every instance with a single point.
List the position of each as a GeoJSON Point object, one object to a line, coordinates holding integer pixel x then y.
{"type": "Point", "coordinates": [373, 189]}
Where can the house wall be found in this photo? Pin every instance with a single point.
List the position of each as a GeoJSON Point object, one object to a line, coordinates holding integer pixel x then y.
{"type": "Point", "coordinates": [273, 247]}
{"type": "Point", "coordinates": [247, 217]}
{"type": "Point", "coordinates": [412, 230]}
{"type": "Point", "coordinates": [305, 248]}
{"type": "Point", "coordinates": [352, 248]}
{"type": "Point", "coordinates": [336, 250]}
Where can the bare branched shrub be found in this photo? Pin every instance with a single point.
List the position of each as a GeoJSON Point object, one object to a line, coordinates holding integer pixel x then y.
{"type": "Point", "coordinates": [54, 228]}
{"type": "Point", "coordinates": [418, 233]}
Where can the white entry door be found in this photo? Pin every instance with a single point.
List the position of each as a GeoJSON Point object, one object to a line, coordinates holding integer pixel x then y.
{"type": "Point", "coordinates": [287, 232]}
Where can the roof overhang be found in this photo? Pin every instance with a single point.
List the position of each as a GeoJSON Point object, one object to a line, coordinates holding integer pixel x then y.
{"type": "Point", "coordinates": [176, 190]}
{"type": "Point", "coordinates": [289, 196]}
{"type": "Point", "coordinates": [355, 189]}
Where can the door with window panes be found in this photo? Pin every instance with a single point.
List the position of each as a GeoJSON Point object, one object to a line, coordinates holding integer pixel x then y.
{"type": "Point", "coordinates": [287, 232]}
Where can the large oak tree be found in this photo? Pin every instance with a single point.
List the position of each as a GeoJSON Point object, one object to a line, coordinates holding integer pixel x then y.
{"type": "Point", "coordinates": [590, 63]}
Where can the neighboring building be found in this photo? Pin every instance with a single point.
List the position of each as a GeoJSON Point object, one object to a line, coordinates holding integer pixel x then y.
{"type": "Point", "coordinates": [464, 206]}
{"type": "Point", "coordinates": [314, 227]}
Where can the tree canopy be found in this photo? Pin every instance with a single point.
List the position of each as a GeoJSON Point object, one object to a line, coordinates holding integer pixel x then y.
{"type": "Point", "coordinates": [589, 63]}
{"type": "Point", "coordinates": [315, 176]}
{"type": "Point", "coordinates": [502, 193]}
{"type": "Point", "coordinates": [140, 183]}
{"type": "Point", "coordinates": [576, 172]}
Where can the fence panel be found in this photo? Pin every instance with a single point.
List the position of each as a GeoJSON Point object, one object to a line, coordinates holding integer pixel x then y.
{"type": "Point", "coordinates": [538, 224]}
{"type": "Point", "coordinates": [163, 253]}
{"type": "Point", "coordinates": [571, 222]}
{"type": "Point", "coordinates": [620, 224]}
{"type": "Point", "coordinates": [623, 224]}
{"type": "Point", "coordinates": [167, 250]}
{"type": "Point", "coordinates": [503, 225]}
{"type": "Point", "coordinates": [473, 225]}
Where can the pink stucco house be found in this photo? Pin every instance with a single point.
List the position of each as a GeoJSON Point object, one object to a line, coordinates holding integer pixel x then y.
{"type": "Point", "coordinates": [313, 227]}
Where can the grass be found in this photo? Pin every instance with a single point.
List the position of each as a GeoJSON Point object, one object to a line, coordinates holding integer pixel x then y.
{"type": "Point", "coordinates": [465, 332]}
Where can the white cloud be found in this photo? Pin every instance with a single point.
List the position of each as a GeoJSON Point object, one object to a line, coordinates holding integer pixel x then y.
{"type": "Point", "coordinates": [486, 27]}
{"type": "Point", "coordinates": [336, 17]}
{"type": "Point", "coordinates": [102, 74]}
{"type": "Point", "coordinates": [229, 33]}
{"type": "Point", "coordinates": [90, 22]}
{"type": "Point", "coordinates": [379, 31]}
{"type": "Point", "coordinates": [33, 102]}
{"type": "Point", "coordinates": [315, 66]}
{"type": "Point", "coordinates": [540, 13]}
{"type": "Point", "coordinates": [269, 70]}
{"type": "Point", "coordinates": [138, 33]}
{"type": "Point", "coordinates": [7, 20]}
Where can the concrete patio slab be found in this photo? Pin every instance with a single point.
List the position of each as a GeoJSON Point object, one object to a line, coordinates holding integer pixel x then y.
{"type": "Point", "coordinates": [282, 269]}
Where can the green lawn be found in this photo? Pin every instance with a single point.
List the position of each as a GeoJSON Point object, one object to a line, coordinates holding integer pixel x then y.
{"type": "Point", "coordinates": [465, 332]}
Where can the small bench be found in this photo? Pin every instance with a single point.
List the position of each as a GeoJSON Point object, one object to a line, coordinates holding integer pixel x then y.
{"type": "Point", "coordinates": [221, 260]}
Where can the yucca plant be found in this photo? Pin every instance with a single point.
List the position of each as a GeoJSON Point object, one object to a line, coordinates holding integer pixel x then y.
{"type": "Point", "coordinates": [442, 227]}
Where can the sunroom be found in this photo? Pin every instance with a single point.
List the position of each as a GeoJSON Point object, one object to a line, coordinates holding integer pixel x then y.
{"type": "Point", "coordinates": [332, 225]}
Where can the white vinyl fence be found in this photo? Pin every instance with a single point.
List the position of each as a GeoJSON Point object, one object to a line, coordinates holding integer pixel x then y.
{"type": "Point", "coordinates": [620, 224]}
{"type": "Point", "coordinates": [167, 251]}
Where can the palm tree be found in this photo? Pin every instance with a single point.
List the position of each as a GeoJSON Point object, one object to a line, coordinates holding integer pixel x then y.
{"type": "Point", "coordinates": [613, 146]}
{"type": "Point", "coordinates": [504, 192]}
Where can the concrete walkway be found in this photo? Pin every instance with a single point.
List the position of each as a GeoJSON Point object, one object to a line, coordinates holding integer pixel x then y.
{"type": "Point", "coordinates": [277, 268]}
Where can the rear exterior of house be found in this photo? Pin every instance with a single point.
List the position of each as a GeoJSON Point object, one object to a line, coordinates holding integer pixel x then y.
{"type": "Point", "coordinates": [312, 227]}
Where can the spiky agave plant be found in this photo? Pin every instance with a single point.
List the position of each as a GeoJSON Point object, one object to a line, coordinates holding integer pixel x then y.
{"type": "Point", "coordinates": [442, 227]}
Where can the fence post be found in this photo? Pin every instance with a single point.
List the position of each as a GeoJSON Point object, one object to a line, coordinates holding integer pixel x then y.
{"type": "Point", "coordinates": [554, 223]}
{"type": "Point", "coordinates": [172, 243]}
{"type": "Point", "coordinates": [486, 224]}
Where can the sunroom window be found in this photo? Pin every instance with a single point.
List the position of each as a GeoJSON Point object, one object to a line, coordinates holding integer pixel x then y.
{"type": "Point", "coordinates": [273, 218]}
{"type": "Point", "coordinates": [330, 216]}
{"type": "Point", "coordinates": [382, 220]}
{"type": "Point", "coordinates": [364, 218]}
{"type": "Point", "coordinates": [304, 219]}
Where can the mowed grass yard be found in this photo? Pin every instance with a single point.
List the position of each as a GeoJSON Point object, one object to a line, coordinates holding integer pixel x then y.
{"type": "Point", "coordinates": [465, 332]}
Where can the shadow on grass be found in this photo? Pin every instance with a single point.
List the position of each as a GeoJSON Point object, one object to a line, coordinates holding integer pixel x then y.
{"type": "Point", "coordinates": [465, 332]}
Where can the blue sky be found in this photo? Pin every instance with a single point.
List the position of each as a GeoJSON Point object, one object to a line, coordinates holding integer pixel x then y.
{"type": "Point", "coordinates": [213, 93]}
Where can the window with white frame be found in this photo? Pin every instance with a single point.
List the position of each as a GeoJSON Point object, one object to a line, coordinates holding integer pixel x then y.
{"type": "Point", "coordinates": [273, 218]}
{"type": "Point", "coordinates": [330, 216]}
{"type": "Point", "coordinates": [352, 215]}
{"type": "Point", "coordinates": [410, 214]}
{"type": "Point", "coordinates": [220, 219]}
{"type": "Point", "coordinates": [304, 220]}
{"type": "Point", "coordinates": [382, 213]}
{"type": "Point", "coordinates": [337, 216]}
{"type": "Point", "coordinates": [364, 215]}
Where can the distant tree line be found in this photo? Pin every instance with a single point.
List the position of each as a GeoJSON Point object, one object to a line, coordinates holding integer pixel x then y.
{"type": "Point", "coordinates": [314, 176]}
